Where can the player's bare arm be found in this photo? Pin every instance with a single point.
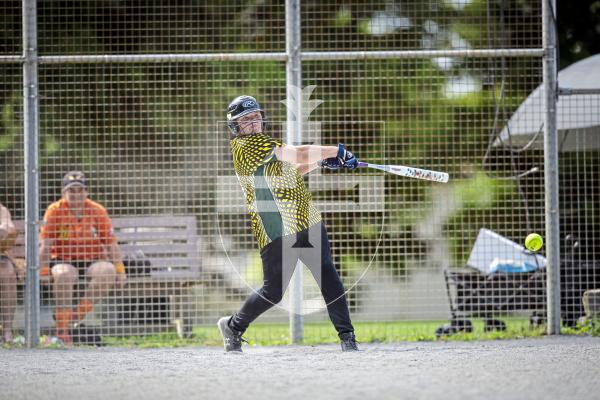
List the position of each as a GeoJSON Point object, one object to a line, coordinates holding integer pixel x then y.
{"type": "Point", "coordinates": [115, 253]}
{"type": "Point", "coordinates": [45, 246]}
{"type": "Point", "coordinates": [117, 259]}
{"type": "Point", "coordinates": [305, 154]}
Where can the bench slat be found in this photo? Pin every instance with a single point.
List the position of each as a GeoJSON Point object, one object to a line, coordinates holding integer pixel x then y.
{"type": "Point", "coordinates": [154, 221]}
{"type": "Point", "coordinates": [175, 262]}
{"type": "Point", "coordinates": [155, 248]}
{"type": "Point", "coordinates": [163, 236]}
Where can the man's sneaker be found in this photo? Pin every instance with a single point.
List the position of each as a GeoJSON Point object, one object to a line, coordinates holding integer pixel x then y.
{"type": "Point", "coordinates": [232, 340]}
{"type": "Point", "coordinates": [348, 341]}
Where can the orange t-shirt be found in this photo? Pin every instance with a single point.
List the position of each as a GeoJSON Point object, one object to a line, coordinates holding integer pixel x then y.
{"type": "Point", "coordinates": [78, 240]}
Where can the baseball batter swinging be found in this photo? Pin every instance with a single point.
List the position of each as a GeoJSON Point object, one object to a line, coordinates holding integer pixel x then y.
{"type": "Point", "coordinates": [284, 219]}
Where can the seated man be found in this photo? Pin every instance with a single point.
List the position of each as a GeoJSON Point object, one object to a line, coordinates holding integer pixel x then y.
{"type": "Point", "coordinates": [8, 275]}
{"type": "Point", "coordinates": [77, 241]}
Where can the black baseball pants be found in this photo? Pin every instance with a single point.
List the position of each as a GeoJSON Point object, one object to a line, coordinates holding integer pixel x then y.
{"type": "Point", "coordinates": [279, 259]}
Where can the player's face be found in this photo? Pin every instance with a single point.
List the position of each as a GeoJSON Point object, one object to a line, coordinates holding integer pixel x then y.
{"type": "Point", "coordinates": [75, 196]}
{"type": "Point", "coordinates": [250, 123]}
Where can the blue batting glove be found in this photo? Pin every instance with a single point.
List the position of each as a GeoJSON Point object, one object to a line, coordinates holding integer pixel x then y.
{"type": "Point", "coordinates": [346, 157]}
{"type": "Point", "coordinates": [332, 163]}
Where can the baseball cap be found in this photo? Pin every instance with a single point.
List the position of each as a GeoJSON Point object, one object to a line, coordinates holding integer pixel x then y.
{"type": "Point", "coordinates": [73, 178]}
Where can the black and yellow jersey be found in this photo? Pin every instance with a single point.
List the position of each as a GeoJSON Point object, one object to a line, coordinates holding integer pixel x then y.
{"type": "Point", "coordinates": [277, 198]}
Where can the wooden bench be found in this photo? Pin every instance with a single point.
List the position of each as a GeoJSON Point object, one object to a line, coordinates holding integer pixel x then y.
{"type": "Point", "coordinates": [157, 296]}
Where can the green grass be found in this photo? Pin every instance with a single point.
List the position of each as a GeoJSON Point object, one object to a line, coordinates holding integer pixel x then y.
{"type": "Point", "coordinates": [591, 328]}
{"type": "Point", "coordinates": [321, 333]}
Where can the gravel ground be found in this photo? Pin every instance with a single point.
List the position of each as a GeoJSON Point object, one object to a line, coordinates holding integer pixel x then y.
{"type": "Point", "coordinates": [563, 367]}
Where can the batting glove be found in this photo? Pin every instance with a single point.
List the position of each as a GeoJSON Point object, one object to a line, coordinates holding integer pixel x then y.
{"type": "Point", "coordinates": [332, 163]}
{"type": "Point", "coordinates": [346, 158]}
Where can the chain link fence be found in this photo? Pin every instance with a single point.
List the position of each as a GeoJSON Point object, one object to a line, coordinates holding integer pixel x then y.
{"type": "Point", "coordinates": [134, 94]}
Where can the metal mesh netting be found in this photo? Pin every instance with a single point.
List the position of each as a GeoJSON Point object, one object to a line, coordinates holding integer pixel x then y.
{"type": "Point", "coordinates": [115, 27]}
{"type": "Point", "coordinates": [151, 137]}
{"type": "Point", "coordinates": [419, 25]}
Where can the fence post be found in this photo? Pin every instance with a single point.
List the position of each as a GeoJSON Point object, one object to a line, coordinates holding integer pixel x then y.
{"type": "Point", "coordinates": [294, 136]}
{"type": "Point", "coordinates": [31, 145]}
{"type": "Point", "coordinates": [551, 167]}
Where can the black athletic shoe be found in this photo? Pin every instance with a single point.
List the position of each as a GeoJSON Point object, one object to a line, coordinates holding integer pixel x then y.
{"type": "Point", "coordinates": [348, 341]}
{"type": "Point", "coordinates": [232, 340]}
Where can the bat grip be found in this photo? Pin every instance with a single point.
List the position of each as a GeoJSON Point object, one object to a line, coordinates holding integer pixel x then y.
{"type": "Point", "coordinates": [363, 164]}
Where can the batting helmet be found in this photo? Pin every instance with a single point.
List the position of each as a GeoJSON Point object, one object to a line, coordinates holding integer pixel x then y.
{"type": "Point", "coordinates": [240, 106]}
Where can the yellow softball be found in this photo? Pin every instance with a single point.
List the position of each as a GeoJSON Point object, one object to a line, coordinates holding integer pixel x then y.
{"type": "Point", "coordinates": [534, 242]}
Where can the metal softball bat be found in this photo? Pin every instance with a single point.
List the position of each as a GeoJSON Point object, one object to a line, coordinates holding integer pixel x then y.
{"type": "Point", "coordinates": [409, 172]}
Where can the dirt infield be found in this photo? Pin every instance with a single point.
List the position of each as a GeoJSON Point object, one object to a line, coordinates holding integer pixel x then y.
{"type": "Point", "coordinates": [549, 368]}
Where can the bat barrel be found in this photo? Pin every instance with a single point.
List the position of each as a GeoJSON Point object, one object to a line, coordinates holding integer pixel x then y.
{"type": "Point", "coordinates": [410, 172]}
